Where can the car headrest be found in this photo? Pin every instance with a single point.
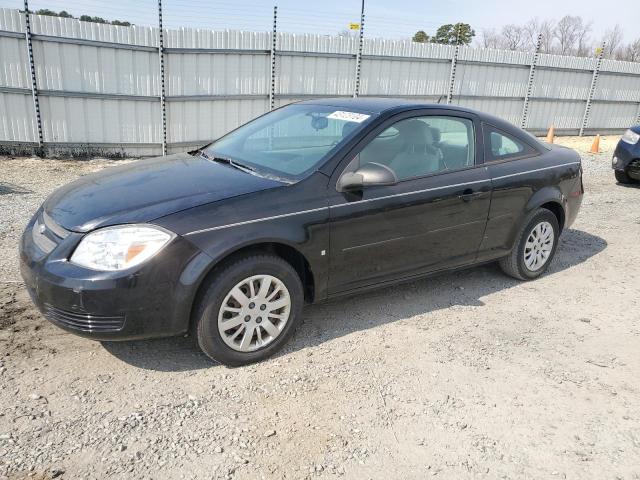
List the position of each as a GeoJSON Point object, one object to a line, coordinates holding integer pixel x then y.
{"type": "Point", "coordinates": [415, 132]}
{"type": "Point", "coordinates": [435, 133]}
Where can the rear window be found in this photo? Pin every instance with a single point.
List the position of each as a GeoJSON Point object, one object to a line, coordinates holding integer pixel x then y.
{"type": "Point", "coordinates": [500, 145]}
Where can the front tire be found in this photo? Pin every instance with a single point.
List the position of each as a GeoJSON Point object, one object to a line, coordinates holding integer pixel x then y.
{"type": "Point", "coordinates": [622, 177]}
{"type": "Point", "coordinates": [535, 246]}
{"type": "Point", "coordinates": [249, 310]}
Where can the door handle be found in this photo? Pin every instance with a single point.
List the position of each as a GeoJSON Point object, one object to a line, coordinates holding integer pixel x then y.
{"type": "Point", "coordinates": [469, 195]}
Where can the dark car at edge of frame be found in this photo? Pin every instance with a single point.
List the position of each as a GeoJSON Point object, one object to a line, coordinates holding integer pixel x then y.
{"type": "Point", "coordinates": [309, 202]}
{"type": "Point", "coordinates": [626, 157]}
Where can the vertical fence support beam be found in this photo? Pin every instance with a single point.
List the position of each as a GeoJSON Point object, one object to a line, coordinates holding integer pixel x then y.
{"type": "Point", "coordinates": [592, 90]}
{"type": "Point", "coordinates": [452, 74]}
{"type": "Point", "coordinates": [637, 120]}
{"type": "Point", "coordinates": [529, 91]}
{"type": "Point", "coordinates": [32, 66]}
{"type": "Point", "coordinates": [356, 90]}
{"type": "Point", "coordinates": [274, 37]}
{"type": "Point", "coordinates": [163, 103]}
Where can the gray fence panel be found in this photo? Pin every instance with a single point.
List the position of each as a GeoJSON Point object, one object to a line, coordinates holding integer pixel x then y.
{"type": "Point", "coordinates": [14, 66]}
{"type": "Point", "coordinates": [562, 84]}
{"type": "Point", "coordinates": [193, 123]}
{"type": "Point", "coordinates": [611, 116]}
{"type": "Point", "coordinates": [11, 20]}
{"type": "Point", "coordinates": [491, 80]}
{"type": "Point", "coordinates": [104, 70]}
{"type": "Point", "coordinates": [402, 77]}
{"type": "Point", "coordinates": [563, 115]}
{"type": "Point", "coordinates": [17, 122]}
{"type": "Point", "coordinates": [94, 120]}
{"type": "Point", "coordinates": [619, 88]}
{"type": "Point", "coordinates": [314, 75]}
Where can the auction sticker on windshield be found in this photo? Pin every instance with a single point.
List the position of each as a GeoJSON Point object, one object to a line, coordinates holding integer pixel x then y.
{"type": "Point", "coordinates": [348, 116]}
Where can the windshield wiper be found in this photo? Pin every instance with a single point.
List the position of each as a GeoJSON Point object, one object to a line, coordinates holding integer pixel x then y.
{"type": "Point", "coordinates": [242, 167]}
{"type": "Point", "coordinates": [228, 161]}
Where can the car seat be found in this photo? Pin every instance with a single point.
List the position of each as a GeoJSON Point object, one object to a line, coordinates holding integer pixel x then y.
{"type": "Point", "coordinates": [419, 155]}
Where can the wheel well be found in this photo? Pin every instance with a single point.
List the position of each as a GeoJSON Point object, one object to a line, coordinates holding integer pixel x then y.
{"type": "Point", "coordinates": [287, 253]}
{"type": "Point", "coordinates": [557, 210]}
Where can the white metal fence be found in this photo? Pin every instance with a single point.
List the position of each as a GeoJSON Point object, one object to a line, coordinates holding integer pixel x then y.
{"type": "Point", "coordinates": [99, 86]}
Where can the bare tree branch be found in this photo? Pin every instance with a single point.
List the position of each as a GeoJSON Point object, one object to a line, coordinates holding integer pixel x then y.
{"type": "Point", "coordinates": [514, 37]}
{"type": "Point", "coordinates": [613, 37]}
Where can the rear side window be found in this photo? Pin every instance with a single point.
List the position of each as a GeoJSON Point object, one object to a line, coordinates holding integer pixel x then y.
{"type": "Point", "coordinates": [502, 146]}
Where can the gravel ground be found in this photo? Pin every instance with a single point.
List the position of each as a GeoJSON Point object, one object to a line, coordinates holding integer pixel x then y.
{"type": "Point", "coordinates": [465, 375]}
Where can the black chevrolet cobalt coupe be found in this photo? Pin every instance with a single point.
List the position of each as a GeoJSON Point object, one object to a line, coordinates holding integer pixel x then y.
{"type": "Point", "coordinates": [311, 201]}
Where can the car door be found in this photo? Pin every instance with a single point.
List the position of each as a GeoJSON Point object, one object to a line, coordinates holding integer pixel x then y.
{"type": "Point", "coordinates": [433, 218]}
{"type": "Point", "coordinates": [506, 158]}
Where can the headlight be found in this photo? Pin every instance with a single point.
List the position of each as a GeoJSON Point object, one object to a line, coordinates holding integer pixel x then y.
{"type": "Point", "coordinates": [117, 248]}
{"type": "Point", "coordinates": [630, 137]}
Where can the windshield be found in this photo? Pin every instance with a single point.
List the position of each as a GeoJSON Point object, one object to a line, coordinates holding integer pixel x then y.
{"type": "Point", "coordinates": [290, 141]}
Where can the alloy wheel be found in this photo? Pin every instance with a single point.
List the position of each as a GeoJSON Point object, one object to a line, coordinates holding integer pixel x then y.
{"type": "Point", "coordinates": [537, 250]}
{"type": "Point", "coordinates": [254, 313]}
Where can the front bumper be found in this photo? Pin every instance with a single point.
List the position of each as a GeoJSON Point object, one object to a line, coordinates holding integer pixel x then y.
{"type": "Point", "coordinates": [626, 158]}
{"type": "Point", "coordinates": [151, 300]}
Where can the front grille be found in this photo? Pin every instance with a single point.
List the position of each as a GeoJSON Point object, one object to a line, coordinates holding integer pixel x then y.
{"type": "Point", "coordinates": [47, 234]}
{"type": "Point", "coordinates": [83, 321]}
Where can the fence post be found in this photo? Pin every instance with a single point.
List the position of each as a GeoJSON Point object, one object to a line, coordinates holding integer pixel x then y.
{"type": "Point", "coordinates": [529, 91]}
{"type": "Point", "coordinates": [274, 36]}
{"type": "Point", "coordinates": [637, 120]}
{"type": "Point", "coordinates": [356, 90]}
{"type": "Point", "coordinates": [452, 74]}
{"type": "Point", "coordinates": [32, 66]}
{"type": "Point", "coordinates": [592, 90]}
{"type": "Point", "coordinates": [163, 104]}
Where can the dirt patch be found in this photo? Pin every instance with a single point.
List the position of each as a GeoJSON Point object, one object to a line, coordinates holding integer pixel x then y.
{"type": "Point", "coordinates": [466, 375]}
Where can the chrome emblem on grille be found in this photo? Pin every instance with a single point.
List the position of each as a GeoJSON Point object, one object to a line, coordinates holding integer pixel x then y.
{"type": "Point", "coordinates": [41, 228]}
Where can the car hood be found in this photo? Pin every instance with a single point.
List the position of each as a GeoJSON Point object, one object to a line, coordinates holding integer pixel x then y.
{"type": "Point", "coordinates": [148, 189]}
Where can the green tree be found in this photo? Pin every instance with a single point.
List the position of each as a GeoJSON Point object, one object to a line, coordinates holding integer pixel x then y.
{"type": "Point", "coordinates": [454, 34]}
{"type": "Point", "coordinates": [89, 18]}
{"type": "Point", "coordinates": [421, 37]}
{"type": "Point", "coordinates": [47, 12]}
{"type": "Point", "coordinates": [121, 23]}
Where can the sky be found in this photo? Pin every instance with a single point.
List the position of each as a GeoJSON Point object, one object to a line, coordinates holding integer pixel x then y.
{"type": "Point", "coordinates": [384, 18]}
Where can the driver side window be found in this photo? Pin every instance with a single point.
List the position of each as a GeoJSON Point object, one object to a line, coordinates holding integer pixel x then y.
{"type": "Point", "coordinates": [420, 146]}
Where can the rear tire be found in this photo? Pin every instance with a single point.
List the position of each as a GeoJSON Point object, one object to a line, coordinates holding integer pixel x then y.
{"type": "Point", "coordinates": [239, 331]}
{"type": "Point", "coordinates": [622, 177]}
{"type": "Point", "coordinates": [535, 246]}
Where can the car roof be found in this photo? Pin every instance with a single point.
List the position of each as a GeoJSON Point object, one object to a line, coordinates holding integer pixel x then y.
{"type": "Point", "coordinates": [381, 104]}
{"type": "Point", "coordinates": [388, 104]}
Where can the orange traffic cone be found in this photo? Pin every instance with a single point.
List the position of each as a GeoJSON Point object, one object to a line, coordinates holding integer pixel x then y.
{"type": "Point", "coordinates": [551, 134]}
{"type": "Point", "coordinates": [595, 146]}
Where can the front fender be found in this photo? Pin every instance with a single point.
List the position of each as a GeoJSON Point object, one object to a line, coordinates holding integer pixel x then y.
{"type": "Point", "coordinates": [306, 233]}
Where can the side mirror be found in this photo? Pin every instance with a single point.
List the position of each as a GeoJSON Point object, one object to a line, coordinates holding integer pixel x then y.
{"type": "Point", "coordinates": [369, 175]}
